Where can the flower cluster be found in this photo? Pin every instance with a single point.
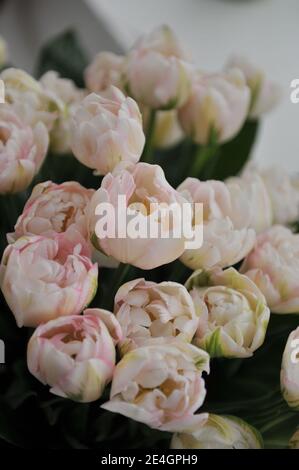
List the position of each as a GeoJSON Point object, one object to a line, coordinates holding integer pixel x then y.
{"type": "Point", "coordinates": [153, 338]}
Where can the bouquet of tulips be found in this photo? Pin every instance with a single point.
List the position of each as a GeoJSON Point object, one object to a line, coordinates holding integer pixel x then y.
{"type": "Point", "coordinates": [144, 341]}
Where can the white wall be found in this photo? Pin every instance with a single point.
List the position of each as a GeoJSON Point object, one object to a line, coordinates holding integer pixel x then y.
{"type": "Point", "coordinates": [267, 31]}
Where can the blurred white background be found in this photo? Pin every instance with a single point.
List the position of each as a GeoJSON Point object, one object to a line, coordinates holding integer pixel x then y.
{"type": "Point", "coordinates": [266, 31]}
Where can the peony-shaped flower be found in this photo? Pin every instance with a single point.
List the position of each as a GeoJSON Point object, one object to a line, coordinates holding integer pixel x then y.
{"type": "Point", "coordinates": [106, 131]}
{"type": "Point", "coordinates": [142, 217]}
{"type": "Point", "coordinates": [43, 278]}
{"type": "Point", "coordinates": [250, 189]}
{"type": "Point", "coordinates": [219, 432]}
{"type": "Point", "coordinates": [160, 385]}
{"type": "Point", "coordinates": [54, 208]}
{"type": "Point", "coordinates": [227, 237]}
{"type": "Point", "coordinates": [218, 105]}
{"type": "Point", "coordinates": [283, 192]}
{"type": "Point", "coordinates": [75, 355]}
{"type": "Point", "coordinates": [22, 150]}
{"type": "Point", "coordinates": [157, 72]}
{"type": "Point", "coordinates": [233, 315]}
{"type": "Point", "coordinates": [289, 376]}
{"type": "Point", "coordinates": [148, 310]}
{"type": "Point", "coordinates": [69, 95]}
{"type": "Point", "coordinates": [265, 94]}
{"type": "Point", "coordinates": [273, 265]}
{"type": "Point", "coordinates": [31, 102]}
{"type": "Point", "coordinates": [105, 70]}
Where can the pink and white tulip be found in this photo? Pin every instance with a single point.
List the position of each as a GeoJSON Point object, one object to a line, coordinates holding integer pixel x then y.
{"type": "Point", "coordinates": [289, 376]}
{"type": "Point", "coordinates": [22, 150]}
{"type": "Point", "coordinates": [273, 265]}
{"type": "Point", "coordinates": [139, 185]}
{"type": "Point", "coordinates": [107, 130]}
{"type": "Point", "coordinates": [219, 432]}
{"type": "Point", "coordinates": [69, 95]}
{"type": "Point", "coordinates": [283, 192]}
{"type": "Point", "coordinates": [157, 73]}
{"type": "Point", "coordinates": [265, 94]}
{"type": "Point", "coordinates": [218, 104]}
{"type": "Point", "coordinates": [54, 208]}
{"type": "Point", "coordinates": [161, 385]}
{"type": "Point", "coordinates": [43, 278]}
{"type": "Point", "coordinates": [75, 355]}
{"type": "Point", "coordinates": [227, 236]}
{"type": "Point", "coordinates": [148, 310]}
{"type": "Point", "coordinates": [105, 70]}
{"type": "Point", "coordinates": [232, 311]}
{"type": "Point", "coordinates": [29, 99]}
{"type": "Point", "coordinates": [250, 189]}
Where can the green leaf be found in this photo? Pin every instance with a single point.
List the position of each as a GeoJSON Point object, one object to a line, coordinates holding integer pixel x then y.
{"type": "Point", "coordinates": [65, 55]}
{"type": "Point", "coordinates": [232, 156]}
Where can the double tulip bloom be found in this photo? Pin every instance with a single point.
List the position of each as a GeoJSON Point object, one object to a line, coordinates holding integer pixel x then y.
{"type": "Point", "coordinates": [107, 130]}
{"type": "Point", "coordinates": [227, 235]}
{"type": "Point", "coordinates": [141, 184]}
{"type": "Point", "coordinates": [218, 104]}
{"type": "Point", "coordinates": [22, 150]}
{"type": "Point", "coordinates": [43, 278]}
{"type": "Point", "coordinates": [233, 314]}
{"type": "Point", "coordinates": [75, 355]}
{"type": "Point", "coordinates": [289, 376]}
{"type": "Point", "coordinates": [105, 70]}
{"type": "Point", "coordinates": [274, 267]}
{"type": "Point", "coordinates": [54, 208]}
{"type": "Point", "coordinates": [219, 432]}
{"type": "Point", "coordinates": [161, 385]}
{"type": "Point", "coordinates": [157, 72]}
{"type": "Point", "coordinates": [147, 310]}
{"type": "Point", "coordinates": [265, 94]}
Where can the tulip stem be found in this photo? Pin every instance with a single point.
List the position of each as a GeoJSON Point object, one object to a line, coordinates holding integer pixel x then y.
{"type": "Point", "coordinates": [148, 148]}
{"type": "Point", "coordinates": [118, 279]}
{"type": "Point", "coordinates": [203, 154]}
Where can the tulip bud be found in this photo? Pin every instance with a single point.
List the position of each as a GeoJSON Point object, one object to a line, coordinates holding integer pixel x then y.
{"type": "Point", "coordinates": [265, 94]}
{"type": "Point", "coordinates": [54, 208]}
{"type": "Point", "coordinates": [219, 432]}
{"type": "Point", "coordinates": [105, 70]}
{"type": "Point", "coordinates": [148, 310]}
{"type": "Point", "coordinates": [160, 385]}
{"type": "Point", "coordinates": [106, 131]}
{"type": "Point", "coordinates": [233, 315]}
{"type": "Point", "coordinates": [218, 104]}
{"type": "Point", "coordinates": [157, 74]}
{"type": "Point", "coordinates": [289, 376]}
{"type": "Point", "coordinates": [22, 150]}
{"type": "Point", "coordinates": [74, 355]}
{"type": "Point", "coordinates": [273, 266]}
{"type": "Point", "coordinates": [66, 92]}
{"type": "Point", "coordinates": [43, 278]}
